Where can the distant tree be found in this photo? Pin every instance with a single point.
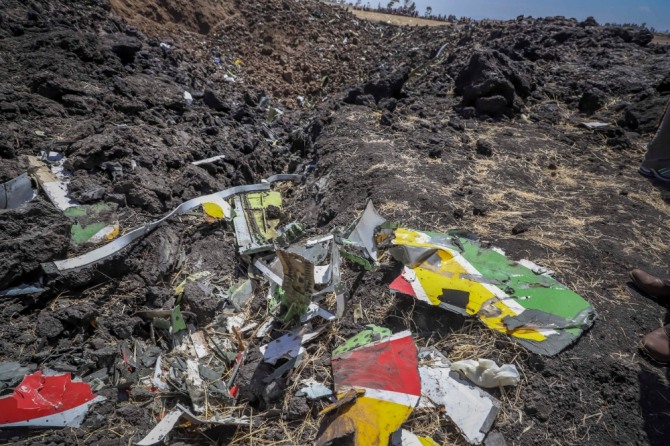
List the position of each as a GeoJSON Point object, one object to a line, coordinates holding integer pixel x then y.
{"type": "Point", "coordinates": [392, 3]}
{"type": "Point", "coordinates": [429, 11]}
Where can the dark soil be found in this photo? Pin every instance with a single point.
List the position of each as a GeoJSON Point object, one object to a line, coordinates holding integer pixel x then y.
{"type": "Point", "coordinates": [486, 137]}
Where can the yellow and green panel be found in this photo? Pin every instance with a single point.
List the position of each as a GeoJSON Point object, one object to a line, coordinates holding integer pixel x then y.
{"type": "Point", "coordinates": [454, 272]}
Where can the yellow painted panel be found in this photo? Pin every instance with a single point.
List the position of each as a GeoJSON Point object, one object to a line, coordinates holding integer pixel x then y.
{"type": "Point", "coordinates": [375, 420]}
{"type": "Point", "coordinates": [435, 279]}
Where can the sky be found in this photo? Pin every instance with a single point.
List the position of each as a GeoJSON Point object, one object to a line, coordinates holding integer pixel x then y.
{"type": "Point", "coordinates": [655, 13]}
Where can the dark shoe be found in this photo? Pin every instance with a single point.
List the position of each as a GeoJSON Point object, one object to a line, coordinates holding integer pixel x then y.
{"type": "Point", "coordinates": [662, 174]}
{"type": "Point", "coordinates": [650, 284]}
{"type": "Point", "coordinates": [657, 344]}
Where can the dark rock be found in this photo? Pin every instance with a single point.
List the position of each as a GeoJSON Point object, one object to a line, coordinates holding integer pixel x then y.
{"type": "Point", "coordinates": [492, 105]}
{"type": "Point", "coordinates": [213, 101]}
{"type": "Point", "coordinates": [126, 47]}
{"type": "Point", "coordinates": [484, 148]}
{"type": "Point", "coordinates": [538, 409]}
{"type": "Point", "coordinates": [592, 100]}
{"type": "Point", "coordinates": [643, 37]}
{"type": "Point", "coordinates": [664, 86]}
{"type": "Point", "coordinates": [458, 214]}
{"type": "Point", "coordinates": [456, 124]}
{"type": "Point", "coordinates": [119, 199]}
{"type": "Point", "coordinates": [141, 394]}
{"type": "Point", "coordinates": [365, 99]}
{"type": "Point", "coordinates": [386, 118]}
{"type": "Point", "coordinates": [300, 142]}
{"type": "Point", "coordinates": [435, 153]}
{"type": "Point", "coordinates": [297, 409]}
{"type": "Point", "coordinates": [79, 314]}
{"type": "Point", "coordinates": [389, 104]}
{"type": "Point", "coordinates": [520, 228]}
{"type": "Point", "coordinates": [644, 116]}
{"type": "Point", "coordinates": [386, 86]}
{"type": "Point", "coordinates": [619, 142]}
{"type": "Point", "coordinates": [590, 21]}
{"type": "Point", "coordinates": [32, 234]}
{"type": "Point", "coordinates": [479, 210]}
{"type": "Point", "coordinates": [200, 301]}
{"type": "Point", "coordinates": [134, 415]}
{"type": "Point", "coordinates": [48, 326]}
{"type": "Point", "coordinates": [491, 73]}
{"type": "Point", "coordinates": [272, 392]}
{"type": "Point", "coordinates": [121, 325]}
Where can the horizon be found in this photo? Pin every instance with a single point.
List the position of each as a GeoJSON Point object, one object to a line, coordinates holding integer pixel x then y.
{"type": "Point", "coordinates": [651, 13]}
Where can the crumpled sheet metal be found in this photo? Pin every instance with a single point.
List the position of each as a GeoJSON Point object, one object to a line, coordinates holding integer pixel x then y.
{"type": "Point", "coordinates": [471, 409]}
{"type": "Point", "coordinates": [22, 290]}
{"type": "Point", "coordinates": [303, 256]}
{"type": "Point", "coordinates": [109, 249]}
{"type": "Point", "coordinates": [165, 426]}
{"type": "Point", "coordinates": [536, 310]}
{"type": "Point", "coordinates": [313, 390]}
{"type": "Point", "coordinates": [47, 401]}
{"type": "Point", "coordinates": [387, 372]}
{"type": "Point", "coordinates": [288, 346]}
{"type": "Point", "coordinates": [364, 232]}
{"type": "Point", "coordinates": [16, 192]}
{"type": "Point", "coordinates": [298, 283]}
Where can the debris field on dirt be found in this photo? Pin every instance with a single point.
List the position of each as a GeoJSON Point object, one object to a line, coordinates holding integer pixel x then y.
{"type": "Point", "coordinates": [273, 222]}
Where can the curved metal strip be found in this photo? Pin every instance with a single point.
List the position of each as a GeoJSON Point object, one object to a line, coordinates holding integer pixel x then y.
{"type": "Point", "coordinates": [111, 248]}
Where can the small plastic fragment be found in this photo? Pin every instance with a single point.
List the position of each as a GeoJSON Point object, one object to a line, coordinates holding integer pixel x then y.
{"type": "Point", "coordinates": [313, 390]}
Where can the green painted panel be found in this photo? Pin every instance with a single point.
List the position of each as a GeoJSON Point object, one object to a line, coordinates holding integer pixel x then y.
{"type": "Point", "coordinates": [535, 291]}
{"type": "Point", "coordinates": [365, 337]}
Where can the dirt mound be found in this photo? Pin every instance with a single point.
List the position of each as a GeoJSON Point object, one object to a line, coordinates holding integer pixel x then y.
{"type": "Point", "coordinates": [133, 92]}
{"type": "Point", "coordinates": [163, 17]}
{"type": "Point", "coordinates": [298, 52]}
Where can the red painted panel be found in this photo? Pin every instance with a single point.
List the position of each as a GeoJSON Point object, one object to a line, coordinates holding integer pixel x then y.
{"type": "Point", "coordinates": [386, 366]}
{"type": "Point", "coordinates": [39, 396]}
{"type": "Point", "coordinates": [401, 285]}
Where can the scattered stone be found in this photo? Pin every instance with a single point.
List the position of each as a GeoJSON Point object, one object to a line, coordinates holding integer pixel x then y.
{"type": "Point", "coordinates": [484, 148]}
{"type": "Point", "coordinates": [592, 100]}
{"type": "Point", "coordinates": [48, 326]}
{"type": "Point", "coordinates": [200, 301]}
{"type": "Point", "coordinates": [386, 118]}
{"type": "Point", "coordinates": [213, 101]}
{"type": "Point", "coordinates": [492, 105]}
{"type": "Point", "coordinates": [479, 210]}
{"type": "Point", "coordinates": [435, 153]}
{"type": "Point", "coordinates": [520, 228]}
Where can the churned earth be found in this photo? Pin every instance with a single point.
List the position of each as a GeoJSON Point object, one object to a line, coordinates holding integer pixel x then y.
{"type": "Point", "coordinates": [476, 126]}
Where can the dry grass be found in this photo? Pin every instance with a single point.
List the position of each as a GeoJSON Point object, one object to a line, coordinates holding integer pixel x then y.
{"type": "Point", "coordinates": [396, 19]}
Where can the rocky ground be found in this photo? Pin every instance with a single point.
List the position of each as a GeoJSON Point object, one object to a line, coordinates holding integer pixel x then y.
{"type": "Point", "coordinates": [475, 126]}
